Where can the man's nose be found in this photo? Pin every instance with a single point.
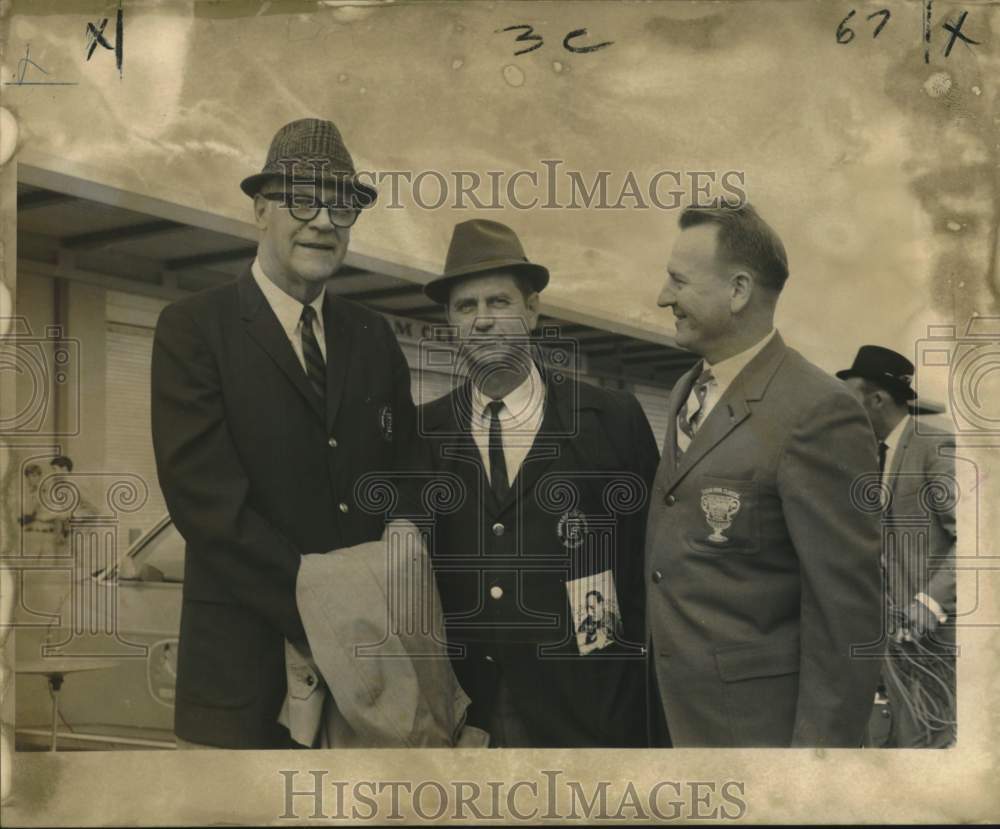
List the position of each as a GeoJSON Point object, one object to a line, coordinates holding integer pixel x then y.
{"type": "Point", "coordinates": [666, 298]}
{"type": "Point", "coordinates": [484, 321]}
{"type": "Point", "coordinates": [321, 221]}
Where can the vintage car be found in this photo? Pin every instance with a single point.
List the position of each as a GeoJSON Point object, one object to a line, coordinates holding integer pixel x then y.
{"type": "Point", "coordinates": [105, 640]}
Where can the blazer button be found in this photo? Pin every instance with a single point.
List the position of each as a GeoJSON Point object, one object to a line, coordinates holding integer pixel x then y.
{"type": "Point", "coordinates": [657, 577]}
{"type": "Point", "coordinates": [489, 658]}
{"type": "Point", "coordinates": [496, 591]}
{"type": "Point", "coordinates": [310, 680]}
{"type": "Point", "coordinates": [498, 528]}
{"type": "Point", "coordinates": [670, 500]}
{"type": "Point", "coordinates": [343, 507]}
{"type": "Point", "coordinates": [332, 443]}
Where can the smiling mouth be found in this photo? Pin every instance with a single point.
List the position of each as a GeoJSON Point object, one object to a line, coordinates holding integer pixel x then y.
{"type": "Point", "coordinates": [316, 246]}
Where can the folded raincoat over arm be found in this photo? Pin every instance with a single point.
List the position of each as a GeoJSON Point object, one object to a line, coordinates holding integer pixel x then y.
{"type": "Point", "coordinates": [378, 675]}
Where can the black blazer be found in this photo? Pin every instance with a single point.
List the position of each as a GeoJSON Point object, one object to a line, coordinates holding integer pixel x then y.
{"type": "Point", "coordinates": [594, 457]}
{"type": "Point", "coordinates": [256, 472]}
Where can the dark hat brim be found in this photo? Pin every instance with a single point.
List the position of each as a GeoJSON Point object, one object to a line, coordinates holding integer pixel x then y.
{"type": "Point", "coordinates": [888, 383]}
{"type": "Point", "coordinates": [438, 290]}
{"type": "Point", "coordinates": [251, 185]}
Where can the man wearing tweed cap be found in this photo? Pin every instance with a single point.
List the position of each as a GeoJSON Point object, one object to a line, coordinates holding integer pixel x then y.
{"type": "Point", "coordinates": [270, 397]}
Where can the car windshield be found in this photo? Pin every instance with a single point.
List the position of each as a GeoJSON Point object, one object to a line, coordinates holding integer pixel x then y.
{"type": "Point", "coordinates": [160, 558]}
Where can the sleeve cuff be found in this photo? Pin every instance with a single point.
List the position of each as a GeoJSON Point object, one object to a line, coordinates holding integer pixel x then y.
{"type": "Point", "coordinates": [932, 606]}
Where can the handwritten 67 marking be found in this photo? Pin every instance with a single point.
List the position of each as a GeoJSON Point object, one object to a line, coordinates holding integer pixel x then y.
{"type": "Point", "coordinates": [845, 34]}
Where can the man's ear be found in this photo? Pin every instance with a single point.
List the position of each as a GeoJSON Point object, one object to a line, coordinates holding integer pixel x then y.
{"type": "Point", "coordinates": [742, 284]}
{"type": "Point", "coordinates": [260, 211]}
{"type": "Point", "coordinates": [531, 302]}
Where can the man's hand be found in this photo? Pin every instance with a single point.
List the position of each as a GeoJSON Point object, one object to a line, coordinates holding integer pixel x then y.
{"type": "Point", "coordinates": [919, 621]}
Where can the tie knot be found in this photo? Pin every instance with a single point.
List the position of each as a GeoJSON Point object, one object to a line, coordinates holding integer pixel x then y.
{"type": "Point", "coordinates": [308, 314]}
{"type": "Point", "coordinates": [495, 407]}
{"type": "Point", "coordinates": [705, 377]}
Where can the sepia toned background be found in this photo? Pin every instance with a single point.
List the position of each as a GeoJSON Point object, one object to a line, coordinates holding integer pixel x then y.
{"type": "Point", "coordinates": [879, 168]}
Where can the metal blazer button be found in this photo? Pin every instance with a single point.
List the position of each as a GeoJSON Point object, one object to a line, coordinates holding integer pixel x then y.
{"type": "Point", "coordinates": [498, 528]}
{"type": "Point", "coordinates": [496, 591]}
{"type": "Point", "coordinates": [657, 577]}
{"type": "Point", "coordinates": [670, 500]}
{"type": "Point", "coordinates": [332, 442]}
{"type": "Point", "coordinates": [343, 507]}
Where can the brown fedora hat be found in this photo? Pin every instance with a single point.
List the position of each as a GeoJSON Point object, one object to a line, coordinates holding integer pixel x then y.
{"type": "Point", "coordinates": [309, 150]}
{"type": "Point", "coordinates": [479, 246]}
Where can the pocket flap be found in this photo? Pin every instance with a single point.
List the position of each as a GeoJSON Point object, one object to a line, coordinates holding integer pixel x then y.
{"type": "Point", "coordinates": [758, 659]}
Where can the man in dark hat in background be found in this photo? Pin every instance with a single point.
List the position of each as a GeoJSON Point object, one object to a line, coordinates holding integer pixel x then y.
{"type": "Point", "coordinates": [270, 397]}
{"type": "Point", "coordinates": [554, 478]}
{"type": "Point", "coordinates": [918, 479]}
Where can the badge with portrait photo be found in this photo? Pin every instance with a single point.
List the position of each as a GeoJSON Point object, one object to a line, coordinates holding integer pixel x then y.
{"type": "Point", "coordinates": [594, 605]}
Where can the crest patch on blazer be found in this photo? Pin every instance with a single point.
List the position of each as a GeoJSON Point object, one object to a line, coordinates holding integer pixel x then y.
{"type": "Point", "coordinates": [594, 605]}
{"type": "Point", "coordinates": [720, 506]}
{"type": "Point", "coordinates": [385, 422]}
{"type": "Point", "coordinates": [572, 528]}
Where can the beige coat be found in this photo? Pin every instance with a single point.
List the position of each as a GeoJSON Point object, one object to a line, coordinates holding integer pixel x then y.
{"type": "Point", "coordinates": [378, 675]}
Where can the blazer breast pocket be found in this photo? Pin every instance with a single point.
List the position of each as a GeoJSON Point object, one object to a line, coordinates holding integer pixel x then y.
{"type": "Point", "coordinates": [729, 511]}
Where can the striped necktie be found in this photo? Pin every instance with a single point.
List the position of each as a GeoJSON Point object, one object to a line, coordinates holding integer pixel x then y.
{"type": "Point", "coordinates": [690, 416]}
{"type": "Point", "coordinates": [315, 365]}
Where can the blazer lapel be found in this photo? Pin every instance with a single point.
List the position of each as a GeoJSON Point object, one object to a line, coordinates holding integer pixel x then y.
{"type": "Point", "coordinates": [454, 418]}
{"type": "Point", "coordinates": [732, 409]}
{"type": "Point", "coordinates": [547, 445]}
{"type": "Point", "coordinates": [337, 331]}
{"type": "Point", "coordinates": [263, 326]}
{"type": "Point", "coordinates": [897, 456]}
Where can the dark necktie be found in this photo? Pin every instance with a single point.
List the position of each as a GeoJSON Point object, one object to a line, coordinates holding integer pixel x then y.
{"type": "Point", "coordinates": [689, 417]}
{"type": "Point", "coordinates": [498, 464]}
{"type": "Point", "coordinates": [883, 450]}
{"type": "Point", "coordinates": [315, 365]}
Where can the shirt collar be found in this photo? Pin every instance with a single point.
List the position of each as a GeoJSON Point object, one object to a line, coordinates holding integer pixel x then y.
{"type": "Point", "coordinates": [892, 439]}
{"type": "Point", "coordinates": [286, 308]}
{"type": "Point", "coordinates": [519, 404]}
{"type": "Point", "coordinates": [725, 371]}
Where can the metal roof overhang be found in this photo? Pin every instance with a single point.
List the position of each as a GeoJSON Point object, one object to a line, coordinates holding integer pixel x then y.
{"type": "Point", "coordinates": [78, 229]}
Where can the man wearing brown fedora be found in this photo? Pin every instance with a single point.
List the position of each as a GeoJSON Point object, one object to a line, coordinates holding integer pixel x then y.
{"type": "Point", "coordinates": [270, 397]}
{"type": "Point", "coordinates": [554, 477]}
{"type": "Point", "coordinates": [918, 482]}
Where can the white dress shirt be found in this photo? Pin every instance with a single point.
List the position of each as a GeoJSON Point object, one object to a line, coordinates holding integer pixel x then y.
{"type": "Point", "coordinates": [724, 373]}
{"type": "Point", "coordinates": [288, 310]}
{"type": "Point", "coordinates": [520, 420]}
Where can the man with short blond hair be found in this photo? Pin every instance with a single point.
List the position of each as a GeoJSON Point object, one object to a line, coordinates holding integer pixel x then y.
{"type": "Point", "coordinates": [762, 572]}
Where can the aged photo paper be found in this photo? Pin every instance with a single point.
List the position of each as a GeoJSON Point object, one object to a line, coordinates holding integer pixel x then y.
{"type": "Point", "coordinates": [569, 137]}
